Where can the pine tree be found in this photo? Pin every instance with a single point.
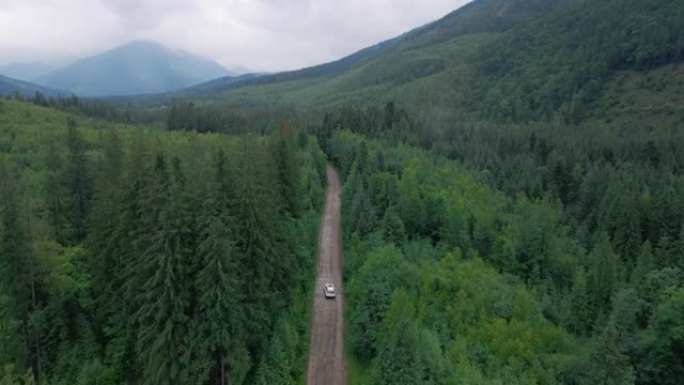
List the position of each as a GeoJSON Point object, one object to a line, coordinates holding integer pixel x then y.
{"type": "Point", "coordinates": [431, 364]}
{"type": "Point", "coordinates": [56, 199]}
{"type": "Point", "coordinates": [396, 362]}
{"type": "Point", "coordinates": [581, 318]}
{"type": "Point", "coordinates": [608, 365]}
{"type": "Point", "coordinates": [663, 342]}
{"type": "Point", "coordinates": [104, 221]}
{"type": "Point", "coordinates": [288, 170]}
{"type": "Point", "coordinates": [393, 227]}
{"type": "Point", "coordinates": [18, 279]}
{"type": "Point", "coordinates": [79, 184]}
{"type": "Point", "coordinates": [676, 252]}
{"type": "Point", "coordinates": [258, 244]}
{"type": "Point", "coordinates": [361, 215]}
{"type": "Point", "coordinates": [628, 231]}
{"type": "Point", "coordinates": [278, 363]}
{"type": "Point", "coordinates": [218, 333]}
{"type": "Point", "coordinates": [603, 274]}
{"type": "Point", "coordinates": [644, 264]}
{"type": "Point", "coordinates": [164, 297]}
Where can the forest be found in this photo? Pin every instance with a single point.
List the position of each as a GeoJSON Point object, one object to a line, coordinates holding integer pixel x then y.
{"type": "Point", "coordinates": [521, 254]}
{"type": "Point", "coordinates": [512, 212]}
{"type": "Point", "coordinates": [138, 255]}
{"type": "Point", "coordinates": [510, 255]}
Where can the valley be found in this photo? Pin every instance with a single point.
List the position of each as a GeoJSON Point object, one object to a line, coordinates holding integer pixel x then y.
{"type": "Point", "coordinates": [497, 197]}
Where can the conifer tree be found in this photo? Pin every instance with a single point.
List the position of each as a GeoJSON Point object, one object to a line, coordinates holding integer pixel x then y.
{"type": "Point", "coordinates": [396, 362]}
{"type": "Point", "coordinates": [19, 286]}
{"type": "Point", "coordinates": [581, 318]}
{"type": "Point", "coordinates": [79, 185]}
{"type": "Point", "coordinates": [644, 264]}
{"type": "Point", "coordinates": [55, 187]}
{"type": "Point", "coordinates": [362, 216]}
{"type": "Point", "coordinates": [393, 227]}
{"type": "Point", "coordinates": [14, 274]}
{"type": "Point", "coordinates": [663, 341]}
{"type": "Point", "coordinates": [218, 333]}
{"type": "Point", "coordinates": [288, 170]}
{"type": "Point", "coordinates": [257, 242]}
{"type": "Point", "coordinates": [164, 296]}
{"type": "Point", "coordinates": [603, 274]}
{"type": "Point", "coordinates": [104, 220]}
{"type": "Point", "coordinates": [608, 364]}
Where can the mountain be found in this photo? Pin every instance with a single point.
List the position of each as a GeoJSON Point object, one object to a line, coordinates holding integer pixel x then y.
{"type": "Point", "coordinates": [394, 58]}
{"type": "Point", "coordinates": [511, 60]}
{"type": "Point", "coordinates": [220, 83]}
{"type": "Point", "coordinates": [139, 67]}
{"type": "Point", "coordinates": [27, 71]}
{"type": "Point", "coordinates": [11, 87]}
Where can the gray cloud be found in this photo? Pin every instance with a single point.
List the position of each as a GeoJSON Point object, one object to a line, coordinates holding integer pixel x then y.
{"type": "Point", "coordinates": [263, 35]}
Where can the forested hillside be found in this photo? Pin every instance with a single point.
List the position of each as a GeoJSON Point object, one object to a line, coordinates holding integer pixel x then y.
{"type": "Point", "coordinates": [495, 60]}
{"type": "Point", "coordinates": [453, 282]}
{"type": "Point", "coordinates": [512, 212]}
{"type": "Point", "coordinates": [134, 255]}
{"type": "Point", "coordinates": [13, 87]}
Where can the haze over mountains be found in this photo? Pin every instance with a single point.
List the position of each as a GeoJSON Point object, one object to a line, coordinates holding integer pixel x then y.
{"type": "Point", "coordinates": [139, 67]}
{"type": "Point", "coordinates": [510, 207]}
{"type": "Point", "coordinates": [27, 71]}
{"type": "Point", "coordinates": [513, 59]}
{"type": "Point", "coordinates": [12, 87]}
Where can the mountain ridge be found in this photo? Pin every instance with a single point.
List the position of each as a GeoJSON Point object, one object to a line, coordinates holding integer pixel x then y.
{"type": "Point", "coordinates": [434, 32]}
{"type": "Point", "coordinates": [516, 61]}
{"type": "Point", "coordinates": [10, 87]}
{"type": "Point", "coordinates": [137, 67]}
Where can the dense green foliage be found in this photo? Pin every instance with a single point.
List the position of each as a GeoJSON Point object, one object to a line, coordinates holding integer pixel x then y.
{"type": "Point", "coordinates": [451, 281]}
{"type": "Point", "coordinates": [141, 256]}
{"type": "Point", "coordinates": [513, 213]}
{"type": "Point", "coordinates": [493, 60]}
{"type": "Point", "coordinates": [561, 63]}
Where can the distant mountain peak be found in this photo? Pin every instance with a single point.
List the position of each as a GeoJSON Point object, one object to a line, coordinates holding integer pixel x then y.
{"type": "Point", "coordinates": [136, 67]}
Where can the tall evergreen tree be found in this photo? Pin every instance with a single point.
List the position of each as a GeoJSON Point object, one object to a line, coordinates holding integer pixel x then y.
{"type": "Point", "coordinates": [608, 364]}
{"type": "Point", "coordinates": [603, 274]}
{"type": "Point", "coordinates": [18, 279]}
{"type": "Point", "coordinates": [79, 184]}
{"type": "Point", "coordinates": [288, 170]}
{"type": "Point", "coordinates": [581, 319]}
{"type": "Point", "coordinates": [55, 187]}
{"type": "Point", "coordinates": [257, 242]}
{"type": "Point", "coordinates": [164, 297]}
{"type": "Point", "coordinates": [396, 362]}
{"type": "Point", "coordinates": [393, 227]}
{"type": "Point", "coordinates": [663, 343]}
{"type": "Point", "coordinates": [644, 264]}
{"type": "Point", "coordinates": [104, 220]}
{"type": "Point", "coordinates": [219, 331]}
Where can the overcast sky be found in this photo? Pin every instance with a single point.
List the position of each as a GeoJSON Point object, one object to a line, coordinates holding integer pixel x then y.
{"type": "Point", "coordinates": [261, 35]}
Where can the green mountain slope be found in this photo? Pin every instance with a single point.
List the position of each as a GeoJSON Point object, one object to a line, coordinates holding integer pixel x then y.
{"type": "Point", "coordinates": [11, 87]}
{"type": "Point", "coordinates": [494, 59]}
{"type": "Point", "coordinates": [477, 17]}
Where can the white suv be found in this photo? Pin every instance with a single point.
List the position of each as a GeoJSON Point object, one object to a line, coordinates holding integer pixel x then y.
{"type": "Point", "coordinates": [329, 290]}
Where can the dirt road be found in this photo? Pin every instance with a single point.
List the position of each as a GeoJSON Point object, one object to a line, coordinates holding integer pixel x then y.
{"type": "Point", "coordinates": [327, 364]}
